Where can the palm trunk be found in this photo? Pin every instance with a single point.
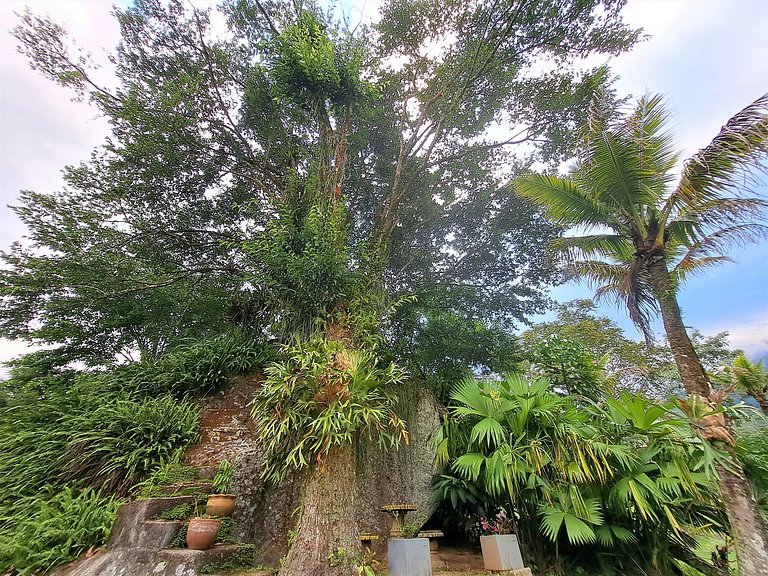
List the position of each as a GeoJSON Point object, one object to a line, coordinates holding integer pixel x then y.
{"type": "Point", "coordinates": [327, 542]}
{"type": "Point", "coordinates": [763, 401]}
{"type": "Point", "coordinates": [747, 530]}
{"type": "Point", "coordinates": [692, 373]}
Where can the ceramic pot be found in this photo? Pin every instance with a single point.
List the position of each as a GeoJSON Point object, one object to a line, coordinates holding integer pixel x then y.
{"type": "Point", "coordinates": [220, 505]}
{"type": "Point", "coordinates": [202, 532]}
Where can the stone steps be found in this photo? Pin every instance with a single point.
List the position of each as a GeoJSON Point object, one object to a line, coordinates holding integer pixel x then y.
{"type": "Point", "coordinates": [136, 526]}
{"type": "Point", "coordinates": [138, 545]}
{"type": "Point", "coordinates": [143, 562]}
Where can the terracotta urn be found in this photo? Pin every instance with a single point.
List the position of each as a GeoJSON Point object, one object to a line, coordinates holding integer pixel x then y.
{"type": "Point", "coordinates": [220, 505]}
{"type": "Point", "coordinates": [202, 532]}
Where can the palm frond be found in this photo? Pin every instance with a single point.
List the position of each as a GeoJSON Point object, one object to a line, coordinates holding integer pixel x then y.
{"type": "Point", "coordinates": [654, 145]}
{"type": "Point", "coordinates": [741, 146]}
{"type": "Point", "coordinates": [614, 174]}
{"type": "Point", "coordinates": [563, 200]}
{"type": "Point", "coordinates": [723, 240]}
{"type": "Point", "coordinates": [577, 248]}
{"type": "Point", "coordinates": [690, 265]}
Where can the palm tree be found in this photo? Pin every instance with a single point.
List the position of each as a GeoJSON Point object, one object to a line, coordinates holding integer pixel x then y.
{"type": "Point", "coordinates": [642, 237]}
{"type": "Point", "coordinates": [751, 378]}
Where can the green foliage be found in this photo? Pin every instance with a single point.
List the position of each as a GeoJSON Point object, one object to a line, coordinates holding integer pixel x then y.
{"type": "Point", "coordinates": [311, 67]}
{"type": "Point", "coordinates": [196, 367]}
{"type": "Point", "coordinates": [643, 236]}
{"type": "Point", "coordinates": [630, 365]}
{"type": "Point", "coordinates": [303, 269]}
{"type": "Point", "coordinates": [223, 477]}
{"type": "Point", "coordinates": [178, 512]}
{"type": "Point", "coordinates": [215, 137]}
{"type": "Point", "coordinates": [66, 430]}
{"type": "Point", "coordinates": [626, 480]}
{"type": "Point", "coordinates": [441, 346]}
{"type": "Point", "coordinates": [120, 443]}
{"type": "Point", "coordinates": [180, 540]}
{"type": "Point", "coordinates": [167, 473]}
{"type": "Point", "coordinates": [569, 366]}
{"type": "Point", "coordinates": [324, 394]}
{"type": "Point", "coordinates": [243, 557]}
{"type": "Point", "coordinates": [752, 450]}
{"type": "Point", "coordinates": [54, 526]}
{"type": "Point", "coordinates": [751, 378]}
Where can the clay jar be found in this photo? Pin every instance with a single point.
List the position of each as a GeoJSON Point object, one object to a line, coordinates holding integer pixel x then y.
{"type": "Point", "coordinates": [220, 505]}
{"type": "Point", "coordinates": [202, 532]}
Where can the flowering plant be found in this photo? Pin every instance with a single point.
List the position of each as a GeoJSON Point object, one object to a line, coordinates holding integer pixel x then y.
{"type": "Point", "coordinates": [500, 524]}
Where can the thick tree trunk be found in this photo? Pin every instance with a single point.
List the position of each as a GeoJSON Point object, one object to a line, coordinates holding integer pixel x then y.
{"type": "Point", "coordinates": [327, 542]}
{"type": "Point", "coordinates": [747, 530]}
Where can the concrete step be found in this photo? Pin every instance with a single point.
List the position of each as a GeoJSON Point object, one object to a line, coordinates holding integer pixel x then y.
{"type": "Point", "coordinates": [131, 528]}
{"type": "Point", "coordinates": [142, 562]}
{"type": "Point", "coordinates": [157, 534]}
{"type": "Point", "coordinates": [196, 559]}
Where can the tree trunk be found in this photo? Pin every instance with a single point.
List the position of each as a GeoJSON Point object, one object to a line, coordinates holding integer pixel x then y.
{"type": "Point", "coordinates": [327, 542]}
{"type": "Point", "coordinates": [692, 373]}
{"type": "Point", "coordinates": [763, 401]}
{"type": "Point", "coordinates": [747, 530]}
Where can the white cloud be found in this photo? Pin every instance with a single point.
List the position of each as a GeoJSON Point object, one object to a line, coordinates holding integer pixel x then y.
{"type": "Point", "coordinates": [749, 334]}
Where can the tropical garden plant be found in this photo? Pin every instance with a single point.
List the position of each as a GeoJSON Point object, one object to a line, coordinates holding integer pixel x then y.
{"type": "Point", "coordinates": [639, 236]}
{"type": "Point", "coordinates": [751, 378]}
{"type": "Point", "coordinates": [623, 487]}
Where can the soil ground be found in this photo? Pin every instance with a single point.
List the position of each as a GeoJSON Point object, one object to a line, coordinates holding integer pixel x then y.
{"type": "Point", "coordinates": [448, 561]}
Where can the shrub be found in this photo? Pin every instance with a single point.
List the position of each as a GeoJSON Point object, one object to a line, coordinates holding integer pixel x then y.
{"type": "Point", "coordinates": [197, 367]}
{"type": "Point", "coordinates": [119, 443]}
{"type": "Point", "coordinates": [55, 527]}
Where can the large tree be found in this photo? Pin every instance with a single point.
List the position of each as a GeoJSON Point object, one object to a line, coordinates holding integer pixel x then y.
{"type": "Point", "coordinates": [650, 235]}
{"type": "Point", "coordinates": [311, 173]}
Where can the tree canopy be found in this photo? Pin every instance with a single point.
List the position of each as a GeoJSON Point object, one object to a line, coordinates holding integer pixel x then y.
{"type": "Point", "coordinates": [251, 170]}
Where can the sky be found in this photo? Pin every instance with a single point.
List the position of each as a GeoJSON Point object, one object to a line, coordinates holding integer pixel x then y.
{"type": "Point", "coordinates": [708, 57]}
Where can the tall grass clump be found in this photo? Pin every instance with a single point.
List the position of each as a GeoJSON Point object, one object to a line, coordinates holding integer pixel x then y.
{"type": "Point", "coordinates": [197, 367]}
{"type": "Point", "coordinates": [54, 527]}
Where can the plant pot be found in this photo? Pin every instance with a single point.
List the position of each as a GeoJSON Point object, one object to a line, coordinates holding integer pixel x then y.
{"type": "Point", "coordinates": [409, 557]}
{"type": "Point", "coordinates": [202, 532]}
{"type": "Point", "coordinates": [501, 552]}
{"type": "Point", "coordinates": [220, 505]}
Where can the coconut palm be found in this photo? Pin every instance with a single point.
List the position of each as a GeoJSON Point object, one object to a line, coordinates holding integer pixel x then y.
{"type": "Point", "coordinates": [751, 378]}
{"type": "Point", "coordinates": [643, 235]}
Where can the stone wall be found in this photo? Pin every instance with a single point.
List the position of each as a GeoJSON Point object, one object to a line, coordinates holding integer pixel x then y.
{"type": "Point", "coordinates": [264, 516]}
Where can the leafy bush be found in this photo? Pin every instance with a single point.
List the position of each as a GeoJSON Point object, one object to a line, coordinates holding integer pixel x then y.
{"type": "Point", "coordinates": [54, 527]}
{"type": "Point", "coordinates": [196, 368]}
{"type": "Point", "coordinates": [624, 486]}
{"type": "Point", "coordinates": [119, 443]}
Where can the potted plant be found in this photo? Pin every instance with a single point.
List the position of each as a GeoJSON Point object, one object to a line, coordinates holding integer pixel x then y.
{"type": "Point", "coordinates": [221, 502]}
{"type": "Point", "coordinates": [409, 556]}
{"type": "Point", "coordinates": [202, 531]}
{"type": "Point", "coordinates": [501, 550]}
